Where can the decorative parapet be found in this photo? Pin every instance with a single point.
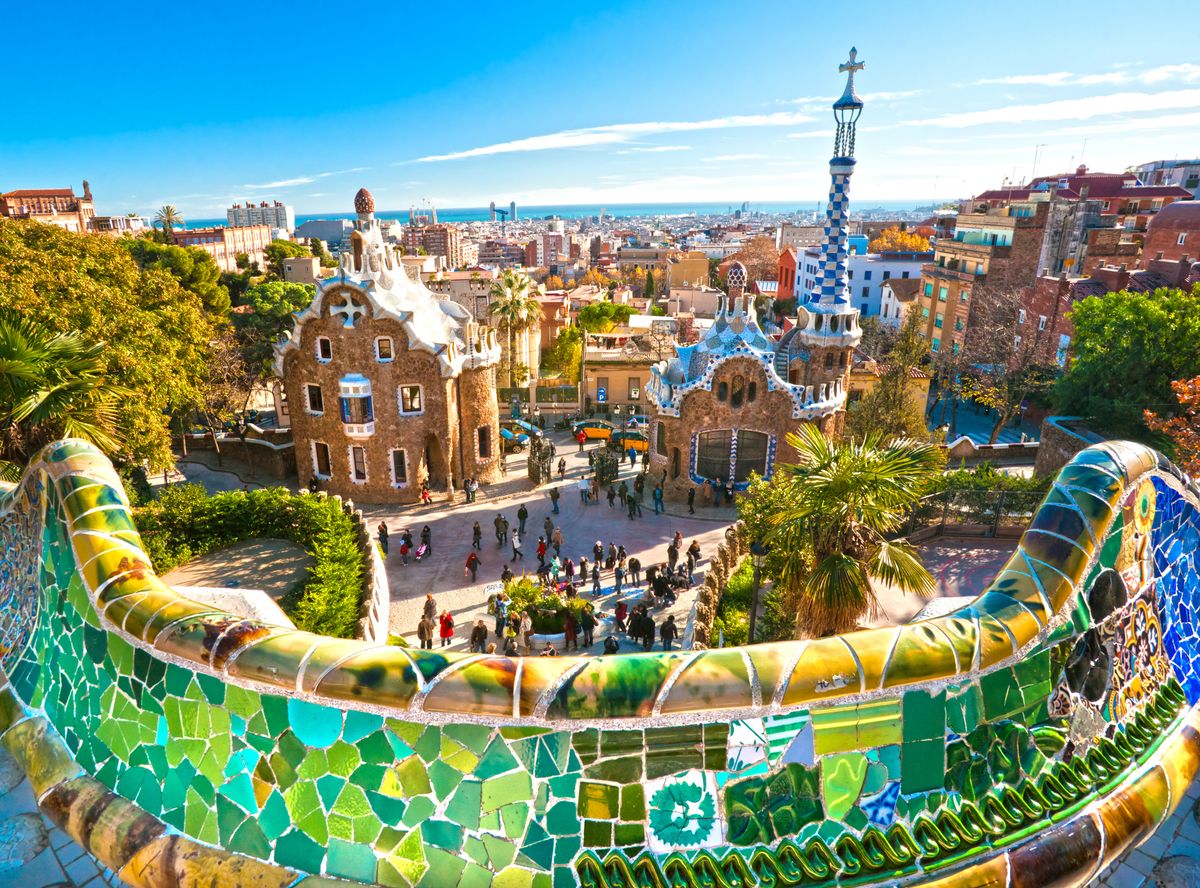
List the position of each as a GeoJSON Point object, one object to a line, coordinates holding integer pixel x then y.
{"type": "Point", "coordinates": [1030, 736]}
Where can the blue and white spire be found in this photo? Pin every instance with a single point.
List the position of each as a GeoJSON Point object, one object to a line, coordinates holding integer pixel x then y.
{"type": "Point", "coordinates": [831, 288]}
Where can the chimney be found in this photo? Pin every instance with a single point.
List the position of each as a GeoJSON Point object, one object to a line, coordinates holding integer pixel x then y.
{"type": "Point", "coordinates": [1081, 170]}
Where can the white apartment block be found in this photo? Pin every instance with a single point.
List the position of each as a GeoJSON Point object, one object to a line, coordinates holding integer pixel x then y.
{"type": "Point", "coordinates": [274, 215]}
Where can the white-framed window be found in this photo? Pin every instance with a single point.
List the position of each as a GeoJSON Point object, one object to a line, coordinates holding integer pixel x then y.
{"type": "Point", "coordinates": [322, 467]}
{"type": "Point", "coordinates": [1041, 322]}
{"type": "Point", "coordinates": [324, 349]}
{"type": "Point", "coordinates": [358, 464]}
{"type": "Point", "coordinates": [399, 468]}
{"type": "Point", "coordinates": [315, 401]}
{"type": "Point", "coordinates": [483, 437]}
{"type": "Point", "coordinates": [411, 400]}
{"type": "Point", "coordinates": [1016, 342]}
{"type": "Point", "coordinates": [1182, 239]}
{"type": "Point", "coordinates": [383, 349]}
{"type": "Point", "coordinates": [1020, 315]}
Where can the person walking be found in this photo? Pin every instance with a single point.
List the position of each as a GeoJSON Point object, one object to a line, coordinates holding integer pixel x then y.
{"type": "Point", "coordinates": [598, 552]}
{"type": "Point", "coordinates": [548, 527]}
{"type": "Point", "coordinates": [382, 535]}
{"type": "Point", "coordinates": [729, 491]}
{"type": "Point", "coordinates": [557, 540]}
{"type": "Point", "coordinates": [569, 570]}
{"type": "Point", "coordinates": [658, 500]}
{"type": "Point", "coordinates": [501, 613]}
{"type": "Point", "coordinates": [692, 500]}
{"type": "Point", "coordinates": [633, 571]}
{"type": "Point", "coordinates": [595, 486]}
{"type": "Point", "coordinates": [425, 633]}
{"type": "Point", "coordinates": [478, 637]}
{"type": "Point", "coordinates": [472, 565]}
{"type": "Point", "coordinates": [554, 494]}
{"type": "Point", "coordinates": [570, 632]}
{"type": "Point", "coordinates": [405, 547]}
{"type": "Point", "coordinates": [596, 578]}
{"type": "Point", "coordinates": [585, 489]}
{"type": "Point", "coordinates": [632, 458]}
{"type": "Point", "coordinates": [516, 546]}
{"type": "Point", "coordinates": [427, 539]}
{"type": "Point", "coordinates": [648, 628]}
{"type": "Point", "coordinates": [672, 556]}
{"type": "Point", "coordinates": [620, 615]}
{"type": "Point", "coordinates": [618, 576]}
{"type": "Point", "coordinates": [446, 628]}
{"type": "Point", "coordinates": [430, 608]}
{"type": "Point", "coordinates": [623, 493]}
{"type": "Point", "coordinates": [476, 537]}
{"type": "Point", "coordinates": [522, 516]}
{"type": "Point", "coordinates": [612, 495]}
{"type": "Point", "coordinates": [526, 631]}
{"type": "Point", "coordinates": [631, 506]}
{"type": "Point", "coordinates": [541, 551]}
{"type": "Point", "coordinates": [587, 623]}
{"type": "Point", "coordinates": [562, 467]}
{"type": "Point", "coordinates": [501, 529]}
{"type": "Point", "coordinates": [581, 438]}
{"type": "Point", "coordinates": [610, 557]}
{"type": "Point", "coordinates": [668, 632]}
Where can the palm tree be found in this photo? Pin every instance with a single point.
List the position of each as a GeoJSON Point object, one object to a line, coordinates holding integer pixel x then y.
{"type": "Point", "coordinates": [841, 500]}
{"type": "Point", "coordinates": [52, 385]}
{"type": "Point", "coordinates": [515, 309]}
{"type": "Point", "coordinates": [169, 218]}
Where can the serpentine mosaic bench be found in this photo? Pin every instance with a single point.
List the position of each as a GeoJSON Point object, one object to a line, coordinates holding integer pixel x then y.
{"type": "Point", "coordinates": [1027, 739]}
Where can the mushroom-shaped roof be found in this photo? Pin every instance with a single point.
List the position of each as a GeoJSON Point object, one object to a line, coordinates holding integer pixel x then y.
{"type": "Point", "coordinates": [364, 202]}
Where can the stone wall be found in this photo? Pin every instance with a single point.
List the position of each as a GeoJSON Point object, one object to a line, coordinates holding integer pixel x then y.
{"type": "Point", "coordinates": [434, 431]}
{"type": "Point", "coordinates": [1061, 438]}
{"type": "Point", "coordinates": [272, 454]}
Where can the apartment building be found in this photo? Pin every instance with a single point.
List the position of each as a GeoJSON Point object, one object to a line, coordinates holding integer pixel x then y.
{"type": "Point", "coordinates": [225, 244]}
{"type": "Point", "coordinates": [274, 215]}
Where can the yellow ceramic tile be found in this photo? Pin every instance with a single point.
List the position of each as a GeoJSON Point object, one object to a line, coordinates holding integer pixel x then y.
{"type": "Point", "coordinates": [922, 653]}
{"type": "Point", "coordinates": [826, 670]}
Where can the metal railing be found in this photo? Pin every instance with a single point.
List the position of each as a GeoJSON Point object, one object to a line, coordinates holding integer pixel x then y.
{"type": "Point", "coordinates": [986, 513]}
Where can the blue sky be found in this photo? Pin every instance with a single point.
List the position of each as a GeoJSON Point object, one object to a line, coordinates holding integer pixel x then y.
{"type": "Point", "coordinates": [612, 102]}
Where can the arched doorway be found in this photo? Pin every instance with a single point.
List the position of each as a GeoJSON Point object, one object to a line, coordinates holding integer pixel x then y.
{"type": "Point", "coordinates": [435, 462]}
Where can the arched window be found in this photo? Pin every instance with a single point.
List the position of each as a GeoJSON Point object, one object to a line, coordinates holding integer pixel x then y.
{"type": "Point", "coordinates": [739, 392]}
{"type": "Point", "coordinates": [715, 455]}
{"type": "Point", "coordinates": [722, 391]}
{"type": "Point", "coordinates": [842, 359]}
{"type": "Point", "coordinates": [674, 462]}
{"type": "Point", "coordinates": [829, 361]}
{"type": "Point", "coordinates": [752, 392]}
{"type": "Point", "coordinates": [660, 439]}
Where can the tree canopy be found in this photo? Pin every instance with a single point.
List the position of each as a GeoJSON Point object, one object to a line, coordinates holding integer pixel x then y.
{"type": "Point", "coordinates": [272, 304]}
{"type": "Point", "coordinates": [564, 355]}
{"type": "Point", "coordinates": [278, 250]}
{"type": "Point", "coordinates": [156, 333]}
{"type": "Point", "coordinates": [761, 259]}
{"type": "Point", "coordinates": [896, 240]}
{"type": "Point", "coordinates": [1183, 430]}
{"type": "Point", "coordinates": [196, 270]}
{"type": "Point", "coordinates": [1127, 350]}
{"type": "Point", "coordinates": [894, 408]}
{"type": "Point", "coordinates": [600, 317]}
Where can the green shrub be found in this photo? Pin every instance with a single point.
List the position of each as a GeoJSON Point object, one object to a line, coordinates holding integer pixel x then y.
{"type": "Point", "coordinates": [184, 523]}
{"type": "Point", "coordinates": [547, 609]}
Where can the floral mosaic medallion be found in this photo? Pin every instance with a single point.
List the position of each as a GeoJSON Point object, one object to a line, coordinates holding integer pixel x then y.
{"type": "Point", "coordinates": [682, 812]}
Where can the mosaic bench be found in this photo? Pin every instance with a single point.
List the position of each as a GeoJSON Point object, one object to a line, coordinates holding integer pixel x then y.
{"type": "Point", "coordinates": [1026, 739]}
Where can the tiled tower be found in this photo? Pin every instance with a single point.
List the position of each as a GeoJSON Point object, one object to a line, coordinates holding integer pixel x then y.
{"type": "Point", "coordinates": [819, 350]}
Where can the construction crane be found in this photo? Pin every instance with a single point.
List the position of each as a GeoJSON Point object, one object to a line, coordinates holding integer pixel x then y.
{"type": "Point", "coordinates": [503, 214]}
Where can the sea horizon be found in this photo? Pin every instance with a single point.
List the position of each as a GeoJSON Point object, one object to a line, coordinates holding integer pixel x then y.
{"type": "Point", "coordinates": [611, 211]}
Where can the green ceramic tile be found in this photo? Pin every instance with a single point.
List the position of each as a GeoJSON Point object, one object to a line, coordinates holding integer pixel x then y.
{"type": "Point", "coordinates": [496, 760]}
{"type": "Point", "coordinates": [514, 817]}
{"type": "Point", "coordinates": [413, 776]}
{"type": "Point", "coordinates": [924, 715]}
{"type": "Point", "coordinates": [598, 801]}
{"type": "Point", "coordinates": [629, 834]}
{"type": "Point", "coordinates": [500, 851]}
{"type": "Point", "coordinates": [618, 770]}
{"type": "Point", "coordinates": [443, 834]}
{"type": "Point", "coordinates": [586, 744]}
{"type": "Point", "coordinates": [633, 802]}
{"type": "Point", "coordinates": [464, 806]}
{"type": "Point", "coordinates": [444, 868]}
{"type": "Point", "coordinates": [444, 778]}
{"type": "Point", "coordinates": [1001, 694]}
{"type": "Point", "coordinates": [514, 787]}
{"type": "Point", "coordinates": [842, 778]}
{"type": "Point", "coordinates": [922, 766]}
{"type": "Point", "coordinates": [297, 850]}
{"type": "Point", "coordinates": [597, 833]}
{"type": "Point", "coordinates": [562, 819]}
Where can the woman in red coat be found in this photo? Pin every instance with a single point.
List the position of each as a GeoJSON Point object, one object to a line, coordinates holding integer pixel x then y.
{"type": "Point", "coordinates": [571, 632]}
{"type": "Point", "coordinates": [446, 622]}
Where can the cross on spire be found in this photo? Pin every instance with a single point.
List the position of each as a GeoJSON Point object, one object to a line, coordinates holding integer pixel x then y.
{"type": "Point", "coordinates": [849, 67]}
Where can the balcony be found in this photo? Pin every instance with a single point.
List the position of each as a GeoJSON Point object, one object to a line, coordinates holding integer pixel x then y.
{"type": "Point", "coordinates": [972, 251]}
{"type": "Point", "coordinates": [359, 429]}
{"type": "Point", "coordinates": [951, 274]}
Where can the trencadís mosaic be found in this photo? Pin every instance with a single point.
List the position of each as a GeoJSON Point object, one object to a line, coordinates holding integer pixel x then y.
{"type": "Point", "coordinates": [1041, 730]}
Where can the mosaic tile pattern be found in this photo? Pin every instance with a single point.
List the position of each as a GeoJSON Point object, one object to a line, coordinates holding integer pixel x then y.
{"type": "Point", "coordinates": [1047, 726]}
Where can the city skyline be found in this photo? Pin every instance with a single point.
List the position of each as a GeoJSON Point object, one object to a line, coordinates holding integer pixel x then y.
{"type": "Point", "coordinates": [705, 107]}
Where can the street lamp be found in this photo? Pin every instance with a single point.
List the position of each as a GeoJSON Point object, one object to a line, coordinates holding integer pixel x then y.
{"type": "Point", "coordinates": [758, 551]}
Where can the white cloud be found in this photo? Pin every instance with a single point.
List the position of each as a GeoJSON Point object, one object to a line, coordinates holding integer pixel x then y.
{"type": "Point", "coordinates": [822, 103]}
{"type": "Point", "coordinates": [655, 149]}
{"type": "Point", "coordinates": [618, 133]}
{"type": "Point", "coordinates": [302, 180]}
{"type": "Point", "coordinates": [721, 157]}
{"type": "Point", "coordinates": [811, 134]}
{"type": "Point", "coordinates": [1083, 108]}
{"type": "Point", "coordinates": [1185, 72]}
